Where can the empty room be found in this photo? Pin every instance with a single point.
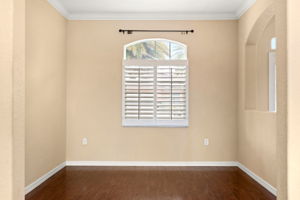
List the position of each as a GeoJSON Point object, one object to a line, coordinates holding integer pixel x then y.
{"type": "Point", "coordinates": [149, 100]}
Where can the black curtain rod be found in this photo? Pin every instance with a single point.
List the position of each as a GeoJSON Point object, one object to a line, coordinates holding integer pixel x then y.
{"type": "Point", "coordinates": [156, 31]}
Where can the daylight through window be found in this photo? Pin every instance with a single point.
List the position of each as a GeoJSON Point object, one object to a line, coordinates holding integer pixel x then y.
{"type": "Point", "coordinates": [155, 84]}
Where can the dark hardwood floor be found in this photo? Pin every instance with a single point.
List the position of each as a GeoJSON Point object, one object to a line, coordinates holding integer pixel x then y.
{"type": "Point", "coordinates": [150, 183]}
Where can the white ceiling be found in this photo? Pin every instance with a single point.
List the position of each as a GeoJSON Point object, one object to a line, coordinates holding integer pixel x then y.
{"type": "Point", "coordinates": [152, 9]}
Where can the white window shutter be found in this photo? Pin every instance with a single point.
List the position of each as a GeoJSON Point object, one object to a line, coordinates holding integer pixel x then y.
{"type": "Point", "coordinates": [155, 95]}
{"type": "Point", "coordinates": [171, 92]}
{"type": "Point", "coordinates": [139, 92]}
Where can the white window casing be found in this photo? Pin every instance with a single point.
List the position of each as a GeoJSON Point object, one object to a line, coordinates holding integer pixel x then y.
{"type": "Point", "coordinates": [272, 82]}
{"type": "Point", "coordinates": [155, 84]}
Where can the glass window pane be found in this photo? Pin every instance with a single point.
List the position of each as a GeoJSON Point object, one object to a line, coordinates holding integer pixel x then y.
{"type": "Point", "coordinates": [156, 50]}
{"type": "Point", "coordinates": [274, 43]}
{"type": "Point", "coordinates": [142, 50]}
{"type": "Point", "coordinates": [178, 52]}
{"type": "Point", "coordinates": [162, 50]}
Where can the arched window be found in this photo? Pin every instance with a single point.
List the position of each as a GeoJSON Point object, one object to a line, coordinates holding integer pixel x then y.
{"type": "Point", "coordinates": [155, 84]}
{"type": "Point", "coordinates": [155, 49]}
{"type": "Point", "coordinates": [273, 44]}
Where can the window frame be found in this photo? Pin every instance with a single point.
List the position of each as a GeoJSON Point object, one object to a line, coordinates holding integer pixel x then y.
{"type": "Point", "coordinates": [155, 63]}
{"type": "Point", "coordinates": [272, 82]}
{"type": "Point", "coordinates": [272, 76]}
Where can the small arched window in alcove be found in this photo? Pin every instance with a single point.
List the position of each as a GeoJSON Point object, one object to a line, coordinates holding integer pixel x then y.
{"type": "Point", "coordinates": [273, 43]}
{"type": "Point", "coordinates": [155, 83]}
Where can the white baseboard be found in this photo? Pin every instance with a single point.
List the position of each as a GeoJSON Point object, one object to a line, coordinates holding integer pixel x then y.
{"type": "Point", "coordinates": [43, 178]}
{"type": "Point", "coordinates": [145, 163]}
{"type": "Point", "coordinates": [258, 179]}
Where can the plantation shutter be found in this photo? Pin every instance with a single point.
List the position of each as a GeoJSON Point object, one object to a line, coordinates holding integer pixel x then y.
{"type": "Point", "coordinates": [155, 95]}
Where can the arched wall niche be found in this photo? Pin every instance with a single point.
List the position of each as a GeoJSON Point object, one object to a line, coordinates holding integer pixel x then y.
{"type": "Point", "coordinates": [257, 50]}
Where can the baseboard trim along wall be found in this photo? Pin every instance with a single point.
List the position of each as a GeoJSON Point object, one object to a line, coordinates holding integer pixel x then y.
{"type": "Point", "coordinates": [258, 179]}
{"type": "Point", "coordinates": [43, 178]}
{"type": "Point", "coordinates": [145, 163]}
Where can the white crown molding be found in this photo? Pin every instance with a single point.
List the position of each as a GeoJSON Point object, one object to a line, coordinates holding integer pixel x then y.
{"type": "Point", "coordinates": [43, 178]}
{"type": "Point", "coordinates": [244, 8]}
{"type": "Point", "coordinates": [151, 16]}
{"type": "Point", "coordinates": [59, 7]}
{"type": "Point", "coordinates": [258, 179]}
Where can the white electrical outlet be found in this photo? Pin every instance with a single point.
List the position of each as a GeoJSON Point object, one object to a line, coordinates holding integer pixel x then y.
{"type": "Point", "coordinates": [84, 141]}
{"type": "Point", "coordinates": [206, 142]}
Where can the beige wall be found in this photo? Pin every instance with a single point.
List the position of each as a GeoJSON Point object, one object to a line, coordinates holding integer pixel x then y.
{"type": "Point", "coordinates": [257, 128]}
{"type": "Point", "coordinates": [12, 90]}
{"type": "Point", "coordinates": [263, 49]}
{"type": "Point", "coordinates": [293, 31]}
{"type": "Point", "coordinates": [281, 63]}
{"type": "Point", "coordinates": [45, 89]}
{"type": "Point", "coordinates": [94, 72]}
{"type": "Point", "coordinates": [19, 88]}
{"type": "Point", "coordinates": [6, 140]}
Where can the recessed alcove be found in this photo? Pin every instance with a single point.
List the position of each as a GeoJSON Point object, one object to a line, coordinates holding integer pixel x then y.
{"type": "Point", "coordinates": [260, 72]}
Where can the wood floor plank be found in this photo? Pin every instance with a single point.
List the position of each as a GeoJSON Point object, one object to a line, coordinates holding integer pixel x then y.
{"type": "Point", "coordinates": [150, 183]}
